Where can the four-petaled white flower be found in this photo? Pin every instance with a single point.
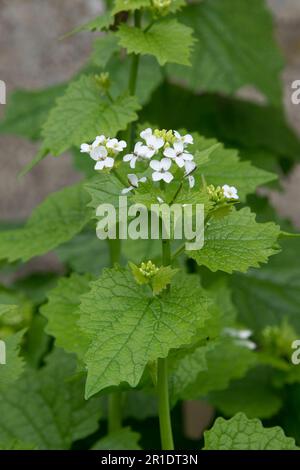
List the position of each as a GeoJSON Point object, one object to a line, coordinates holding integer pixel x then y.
{"type": "Point", "coordinates": [154, 143]}
{"type": "Point", "coordinates": [185, 139]}
{"type": "Point", "coordinates": [161, 170]}
{"type": "Point", "coordinates": [230, 192]}
{"type": "Point", "coordinates": [100, 154]}
{"type": "Point", "coordinates": [134, 183]}
{"type": "Point", "coordinates": [116, 145]}
{"type": "Point", "coordinates": [141, 152]}
{"type": "Point", "coordinates": [178, 154]}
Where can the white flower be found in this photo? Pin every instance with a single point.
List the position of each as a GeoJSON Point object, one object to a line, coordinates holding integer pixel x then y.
{"type": "Point", "coordinates": [154, 143]}
{"type": "Point", "coordinates": [116, 145]}
{"type": "Point", "coordinates": [161, 170]}
{"type": "Point", "coordinates": [230, 192]}
{"type": "Point", "coordinates": [141, 152]}
{"type": "Point", "coordinates": [100, 154]}
{"type": "Point", "coordinates": [134, 183]}
{"type": "Point", "coordinates": [146, 133]}
{"type": "Point", "coordinates": [85, 148]}
{"type": "Point", "coordinates": [178, 154]}
{"type": "Point", "coordinates": [185, 139]}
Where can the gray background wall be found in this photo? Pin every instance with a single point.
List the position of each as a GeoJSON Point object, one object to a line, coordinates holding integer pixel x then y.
{"type": "Point", "coordinates": [32, 56]}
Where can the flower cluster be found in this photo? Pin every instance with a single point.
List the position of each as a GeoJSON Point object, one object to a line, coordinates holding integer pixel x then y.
{"type": "Point", "coordinates": [164, 151]}
{"type": "Point", "coordinates": [148, 269]}
{"type": "Point", "coordinates": [104, 150]}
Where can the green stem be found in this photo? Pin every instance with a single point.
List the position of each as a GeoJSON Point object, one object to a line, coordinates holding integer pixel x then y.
{"type": "Point", "coordinates": [166, 435]}
{"type": "Point", "coordinates": [165, 425]}
{"type": "Point", "coordinates": [133, 77]}
{"type": "Point", "coordinates": [115, 399]}
{"type": "Point", "coordinates": [114, 412]}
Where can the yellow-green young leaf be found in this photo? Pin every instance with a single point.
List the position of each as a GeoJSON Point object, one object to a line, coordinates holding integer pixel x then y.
{"type": "Point", "coordinates": [54, 221]}
{"type": "Point", "coordinates": [236, 243]}
{"type": "Point", "coordinates": [46, 407]}
{"type": "Point", "coordinates": [128, 326]}
{"type": "Point", "coordinates": [14, 363]}
{"type": "Point", "coordinates": [168, 40]}
{"type": "Point", "coordinates": [62, 314]}
{"type": "Point", "coordinates": [125, 439]}
{"type": "Point", "coordinates": [162, 279]}
{"type": "Point", "coordinates": [130, 5]}
{"type": "Point", "coordinates": [100, 23]}
{"type": "Point", "coordinates": [82, 113]}
{"type": "Point", "coordinates": [241, 433]}
{"type": "Point", "coordinates": [233, 50]}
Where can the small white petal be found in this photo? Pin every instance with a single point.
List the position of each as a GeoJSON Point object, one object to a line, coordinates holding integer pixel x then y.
{"type": "Point", "coordinates": [178, 146]}
{"type": "Point", "coordinates": [188, 156]}
{"type": "Point", "coordinates": [189, 166]}
{"type": "Point", "coordinates": [133, 179]}
{"type": "Point", "coordinates": [157, 176]}
{"type": "Point", "coordinates": [128, 157]}
{"type": "Point", "coordinates": [155, 142]}
{"type": "Point", "coordinates": [191, 180]}
{"type": "Point", "coordinates": [85, 148]}
{"type": "Point", "coordinates": [143, 179]}
{"type": "Point", "coordinates": [146, 133]}
{"type": "Point", "coordinates": [167, 177]}
{"type": "Point", "coordinates": [177, 135]}
{"type": "Point", "coordinates": [127, 190]}
{"type": "Point", "coordinates": [180, 161]}
{"type": "Point", "coordinates": [155, 165]}
{"type": "Point", "coordinates": [100, 139]}
{"type": "Point", "coordinates": [133, 162]}
{"type": "Point", "coordinates": [122, 144]}
{"type": "Point", "coordinates": [99, 165]}
{"type": "Point", "coordinates": [165, 163]}
{"type": "Point", "coordinates": [188, 139]}
{"type": "Point", "coordinates": [109, 162]}
{"type": "Point", "coordinates": [170, 152]}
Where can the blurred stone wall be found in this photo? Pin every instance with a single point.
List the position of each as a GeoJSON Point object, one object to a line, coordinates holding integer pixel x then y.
{"type": "Point", "coordinates": [32, 56]}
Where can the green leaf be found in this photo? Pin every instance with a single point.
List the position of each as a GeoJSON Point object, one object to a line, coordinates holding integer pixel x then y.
{"type": "Point", "coordinates": [167, 40]}
{"type": "Point", "coordinates": [208, 368]}
{"type": "Point", "coordinates": [100, 23]}
{"type": "Point", "coordinates": [269, 295]}
{"type": "Point", "coordinates": [253, 395]}
{"type": "Point", "coordinates": [85, 253]}
{"type": "Point", "coordinates": [128, 326]}
{"type": "Point", "coordinates": [241, 433]}
{"type": "Point", "coordinates": [236, 243]}
{"type": "Point", "coordinates": [103, 48]}
{"type": "Point", "coordinates": [125, 439]}
{"type": "Point", "coordinates": [82, 113]}
{"type": "Point", "coordinates": [233, 50]}
{"type": "Point", "coordinates": [62, 313]}
{"type": "Point", "coordinates": [56, 220]}
{"type": "Point", "coordinates": [14, 366]}
{"type": "Point", "coordinates": [17, 445]}
{"type": "Point", "coordinates": [27, 111]}
{"type": "Point", "coordinates": [45, 409]}
{"type": "Point", "coordinates": [158, 281]}
{"type": "Point", "coordinates": [225, 167]}
{"type": "Point", "coordinates": [104, 189]}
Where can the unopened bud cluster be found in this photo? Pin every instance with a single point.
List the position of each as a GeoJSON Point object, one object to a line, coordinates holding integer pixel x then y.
{"type": "Point", "coordinates": [148, 269]}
